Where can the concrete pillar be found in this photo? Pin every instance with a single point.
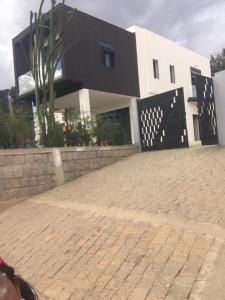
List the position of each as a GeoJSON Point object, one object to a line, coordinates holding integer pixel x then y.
{"type": "Point", "coordinates": [84, 101]}
{"type": "Point", "coordinates": [57, 163]}
{"type": "Point", "coordinates": [134, 122]}
{"type": "Point", "coordinates": [219, 89]}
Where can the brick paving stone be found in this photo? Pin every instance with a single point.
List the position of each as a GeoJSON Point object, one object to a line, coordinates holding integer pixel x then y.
{"type": "Point", "coordinates": [145, 234]}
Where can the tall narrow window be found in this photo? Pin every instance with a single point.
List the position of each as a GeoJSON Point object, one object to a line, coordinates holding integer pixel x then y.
{"type": "Point", "coordinates": [194, 73]}
{"type": "Point", "coordinates": [196, 127]}
{"type": "Point", "coordinates": [108, 58]}
{"type": "Point", "coordinates": [107, 55]}
{"type": "Point", "coordinates": [156, 68]}
{"type": "Point", "coordinates": [172, 74]}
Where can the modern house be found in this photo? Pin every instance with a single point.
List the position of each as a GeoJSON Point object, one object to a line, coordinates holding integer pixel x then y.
{"type": "Point", "coordinates": [109, 68]}
{"type": "Point", "coordinates": [98, 73]}
{"type": "Point", "coordinates": [164, 65]}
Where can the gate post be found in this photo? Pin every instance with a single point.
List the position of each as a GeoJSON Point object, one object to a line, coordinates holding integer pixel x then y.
{"type": "Point", "coordinates": [219, 89]}
{"type": "Point", "coordinates": [134, 122]}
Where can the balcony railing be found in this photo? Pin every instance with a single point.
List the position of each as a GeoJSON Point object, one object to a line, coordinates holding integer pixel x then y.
{"type": "Point", "coordinates": [26, 81]}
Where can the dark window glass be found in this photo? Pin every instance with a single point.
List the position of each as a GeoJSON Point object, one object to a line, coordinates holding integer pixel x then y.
{"type": "Point", "coordinates": [108, 59]}
{"type": "Point", "coordinates": [196, 127]}
{"type": "Point", "coordinates": [194, 73]}
{"type": "Point", "coordinates": [156, 68]}
{"type": "Point", "coordinates": [172, 74]}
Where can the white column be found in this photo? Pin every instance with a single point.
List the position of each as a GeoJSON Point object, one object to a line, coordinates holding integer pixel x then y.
{"type": "Point", "coordinates": [84, 101]}
{"type": "Point", "coordinates": [58, 166]}
{"type": "Point", "coordinates": [219, 88]}
{"type": "Point", "coordinates": [134, 122]}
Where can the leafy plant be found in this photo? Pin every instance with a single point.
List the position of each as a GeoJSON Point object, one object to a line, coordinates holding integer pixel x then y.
{"type": "Point", "coordinates": [5, 140]}
{"type": "Point", "coordinates": [16, 126]}
{"type": "Point", "coordinates": [107, 131]}
{"type": "Point", "coordinates": [79, 129]}
{"type": "Point", "coordinates": [56, 136]}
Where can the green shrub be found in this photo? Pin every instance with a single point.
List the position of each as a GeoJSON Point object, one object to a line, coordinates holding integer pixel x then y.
{"type": "Point", "coordinates": [16, 127]}
{"type": "Point", "coordinates": [5, 137]}
{"type": "Point", "coordinates": [56, 136]}
{"type": "Point", "coordinates": [107, 132]}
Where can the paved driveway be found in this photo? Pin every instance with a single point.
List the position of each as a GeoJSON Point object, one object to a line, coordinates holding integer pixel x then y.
{"type": "Point", "coordinates": [149, 227]}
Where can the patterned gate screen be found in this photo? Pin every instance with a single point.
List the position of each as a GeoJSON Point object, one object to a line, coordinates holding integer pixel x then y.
{"type": "Point", "coordinates": [207, 111]}
{"type": "Point", "coordinates": [163, 122]}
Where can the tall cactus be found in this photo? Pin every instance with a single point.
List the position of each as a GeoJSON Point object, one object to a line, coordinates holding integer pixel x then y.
{"type": "Point", "coordinates": [46, 33]}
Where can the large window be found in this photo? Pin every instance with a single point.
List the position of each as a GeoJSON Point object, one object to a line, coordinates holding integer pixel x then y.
{"type": "Point", "coordinates": [26, 81]}
{"type": "Point", "coordinates": [172, 74]}
{"type": "Point", "coordinates": [156, 68]}
{"type": "Point", "coordinates": [194, 73]}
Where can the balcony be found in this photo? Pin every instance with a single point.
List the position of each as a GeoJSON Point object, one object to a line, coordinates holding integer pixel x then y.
{"type": "Point", "coordinates": [27, 84]}
{"type": "Point", "coordinates": [192, 94]}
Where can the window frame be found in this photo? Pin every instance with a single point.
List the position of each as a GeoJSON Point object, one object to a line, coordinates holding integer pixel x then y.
{"type": "Point", "coordinates": [107, 49]}
{"type": "Point", "coordinates": [155, 68]}
{"type": "Point", "coordinates": [194, 72]}
{"type": "Point", "coordinates": [172, 74]}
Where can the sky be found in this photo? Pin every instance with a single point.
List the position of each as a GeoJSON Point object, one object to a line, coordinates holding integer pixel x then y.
{"type": "Point", "coordinates": [196, 24]}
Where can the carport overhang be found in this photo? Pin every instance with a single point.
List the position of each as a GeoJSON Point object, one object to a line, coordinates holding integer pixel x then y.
{"type": "Point", "coordinates": [100, 102]}
{"type": "Point", "coordinates": [92, 102]}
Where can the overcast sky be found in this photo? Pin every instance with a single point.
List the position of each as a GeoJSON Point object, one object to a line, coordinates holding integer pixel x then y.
{"type": "Point", "coordinates": [196, 24]}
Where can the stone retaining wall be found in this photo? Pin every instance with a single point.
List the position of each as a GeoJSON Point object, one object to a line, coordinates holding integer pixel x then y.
{"type": "Point", "coordinates": [29, 172]}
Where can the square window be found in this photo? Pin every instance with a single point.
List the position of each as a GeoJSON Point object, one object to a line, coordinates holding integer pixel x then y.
{"type": "Point", "coordinates": [172, 74]}
{"type": "Point", "coordinates": [156, 68]}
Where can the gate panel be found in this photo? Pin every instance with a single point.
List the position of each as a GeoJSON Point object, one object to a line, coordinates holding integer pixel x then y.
{"type": "Point", "coordinates": [207, 111]}
{"type": "Point", "coordinates": [162, 121]}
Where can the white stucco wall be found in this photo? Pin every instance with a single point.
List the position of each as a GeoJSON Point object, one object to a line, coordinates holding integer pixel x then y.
{"type": "Point", "coordinates": [219, 89]}
{"type": "Point", "coordinates": [152, 46]}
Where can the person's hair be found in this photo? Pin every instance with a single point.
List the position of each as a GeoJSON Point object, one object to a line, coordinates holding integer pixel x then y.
{"type": "Point", "coordinates": [26, 290]}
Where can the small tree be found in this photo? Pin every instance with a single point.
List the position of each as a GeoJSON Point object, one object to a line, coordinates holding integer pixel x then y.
{"type": "Point", "coordinates": [217, 62]}
{"type": "Point", "coordinates": [46, 34]}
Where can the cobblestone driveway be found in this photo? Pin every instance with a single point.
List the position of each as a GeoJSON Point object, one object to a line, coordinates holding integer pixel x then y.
{"type": "Point", "coordinates": [149, 227]}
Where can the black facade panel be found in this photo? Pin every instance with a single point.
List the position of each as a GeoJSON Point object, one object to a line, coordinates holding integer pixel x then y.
{"type": "Point", "coordinates": [207, 110]}
{"type": "Point", "coordinates": [83, 39]}
{"type": "Point", "coordinates": [83, 61]}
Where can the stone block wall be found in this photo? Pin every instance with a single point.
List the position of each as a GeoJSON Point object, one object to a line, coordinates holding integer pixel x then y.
{"type": "Point", "coordinates": [25, 172]}
{"type": "Point", "coordinates": [80, 162]}
{"type": "Point", "coordinates": [29, 172]}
